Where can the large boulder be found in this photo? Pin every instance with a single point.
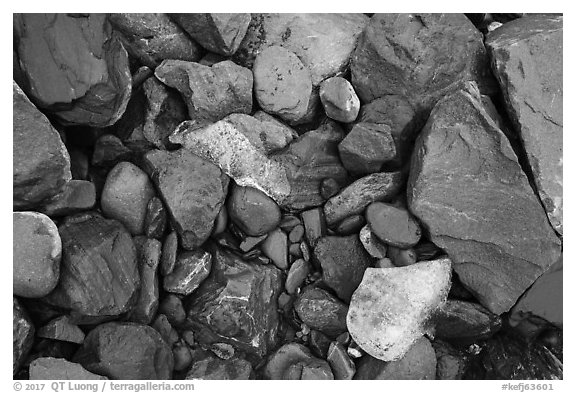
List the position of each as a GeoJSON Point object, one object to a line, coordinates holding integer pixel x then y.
{"type": "Point", "coordinates": [41, 164]}
{"type": "Point", "coordinates": [469, 191]}
{"type": "Point", "coordinates": [526, 58]}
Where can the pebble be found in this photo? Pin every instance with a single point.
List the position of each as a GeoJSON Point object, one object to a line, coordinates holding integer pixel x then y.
{"type": "Point", "coordinates": [305, 251]}
{"type": "Point", "coordinates": [182, 356]}
{"type": "Point", "coordinates": [350, 225]}
{"type": "Point", "coordinates": [329, 187]}
{"type": "Point", "coordinates": [285, 302]}
{"type": "Point", "coordinates": [155, 220]}
{"type": "Point", "coordinates": [339, 99]}
{"type": "Point", "coordinates": [295, 250]}
{"type": "Point", "coordinates": [62, 329]}
{"type": "Point", "coordinates": [384, 263]}
{"type": "Point", "coordinates": [77, 196]}
{"type": "Point", "coordinates": [250, 242]}
{"type": "Point", "coordinates": [296, 275]}
{"type": "Point", "coordinates": [294, 361]}
{"type": "Point", "coordinates": [37, 251]}
{"type": "Point", "coordinates": [275, 247]}
{"type": "Point", "coordinates": [464, 323]}
{"type": "Point", "coordinates": [163, 326]}
{"type": "Point", "coordinates": [190, 270]}
{"type": "Point", "coordinates": [22, 335]}
{"type": "Point", "coordinates": [344, 338]}
{"type": "Point", "coordinates": [169, 250]}
{"type": "Point", "coordinates": [451, 363]}
{"type": "Point", "coordinates": [371, 244]}
{"type": "Point", "coordinates": [221, 221]}
{"type": "Point", "coordinates": [207, 366]}
{"type": "Point", "coordinates": [148, 251]}
{"type": "Point", "coordinates": [342, 366]}
{"type": "Point", "coordinates": [393, 225]}
{"type": "Point", "coordinates": [319, 343]}
{"type": "Point", "coordinates": [314, 224]}
{"type": "Point", "coordinates": [321, 311]}
{"type": "Point", "coordinates": [172, 307]}
{"type": "Point", "coordinates": [354, 351]}
{"type": "Point", "coordinates": [402, 257]}
{"type": "Point", "coordinates": [188, 337]}
{"type": "Point", "coordinates": [49, 368]}
{"type": "Point", "coordinates": [79, 164]}
{"type": "Point", "coordinates": [296, 234]}
{"type": "Point", "coordinates": [125, 196]}
{"type": "Point", "coordinates": [254, 212]}
{"type": "Point", "coordinates": [109, 150]}
{"type": "Point", "coordinates": [224, 351]}
{"type": "Point", "coordinates": [288, 222]}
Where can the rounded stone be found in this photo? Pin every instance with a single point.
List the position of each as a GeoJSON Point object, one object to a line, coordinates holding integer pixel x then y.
{"type": "Point", "coordinates": [126, 194]}
{"type": "Point", "coordinates": [339, 99]}
{"type": "Point", "coordinates": [402, 257]}
{"type": "Point", "coordinates": [393, 225]}
{"type": "Point", "coordinates": [253, 211]}
{"type": "Point", "coordinates": [37, 251]}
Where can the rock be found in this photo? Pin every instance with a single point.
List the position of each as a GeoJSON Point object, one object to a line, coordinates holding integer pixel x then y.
{"type": "Point", "coordinates": [77, 196]}
{"type": "Point", "coordinates": [343, 261]}
{"type": "Point", "coordinates": [294, 361]}
{"type": "Point", "coordinates": [212, 58]}
{"type": "Point", "coordinates": [253, 211]}
{"type": "Point", "coordinates": [22, 335]}
{"type": "Point", "coordinates": [298, 272]}
{"type": "Point", "coordinates": [211, 93]}
{"type": "Point", "coordinates": [79, 164]}
{"type": "Point", "coordinates": [324, 42]}
{"type": "Point", "coordinates": [450, 362]}
{"type": "Point", "coordinates": [126, 351]}
{"type": "Point", "coordinates": [73, 67]}
{"type": "Point", "coordinates": [402, 257]}
{"type": "Point", "coordinates": [172, 307]}
{"type": "Point", "coordinates": [99, 271]}
{"type": "Point", "coordinates": [319, 344]}
{"type": "Point", "coordinates": [464, 323]}
{"type": "Point", "coordinates": [371, 244]}
{"type": "Point", "coordinates": [470, 193]}
{"type": "Point", "coordinates": [233, 304]}
{"type": "Point", "coordinates": [402, 54]}
{"type": "Point", "coordinates": [37, 252]}
{"type": "Point", "coordinates": [342, 366]}
{"type": "Point", "coordinates": [350, 225]}
{"type": "Point", "coordinates": [339, 99]}
{"type": "Point", "coordinates": [222, 350]}
{"type": "Point", "coordinates": [250, 242]}
{"type": "Point", "coordinates": [151, 38]}
{"type": "Point", "coordinates": [305, 250]}
{"type": "Point", "coordinates": [220, 33]}
{"type": "Point", "coordinates": [167, 332]}
{"type": "Point", "coordinates": [164, 111]}
{"type": "Point", "coordinates": [62, 329]}
{"type": "Point", "coordinates": [526, 59]}
{"type": "Point", "coordinates": [275, 247]}
{"type": "Point", "coordinates": [393, 225]}
{"type": "Point", "coordinates": [418, 363]}
{"type": "Point", "coordinates": [221, 222]}
{"type": "Point", "coordinates": [283, 86]}
{"type": "Point", "coordinates": [357, 196]}
{"type": "Point", "coordinates": [328, 188]}
{"type": "Point", "coordinates": [41, 164]}
{"type": "Point", "coordinates": [321, 311]}
{"type": "Point", "coordinates": [169, 251]}
{"type": "Point", "coordinates": [295, 251]}
{"type": "Point", "coordinates": [391, 307]}
{"type": "Point", "coordinates": [126, 195]}
{"type": "Point", "coordinates": [366, 148]}
{"type": "Point", "coordinates": [155, 219]}
{"type": "Point", "coordinates": [191, 269]}
{"type": "Point", "coordinates": [296, 234]}
{"type": "Point", "coordinates": [60, 369]}
{"type": "Point", "coordinates": [193, 191]}
{"type": "Point", "coordinates": [278, 134]}
{"type": "Point", "coordinates": [384, 263]}
{"type": "Point", "coordinates": [211, 367]}
{"type": "Point", "coordinates": [182, 356]}
{"type": "Point", "coordinates": [109, 150]}
{"type": "Point", "coordinates": [148, 260]}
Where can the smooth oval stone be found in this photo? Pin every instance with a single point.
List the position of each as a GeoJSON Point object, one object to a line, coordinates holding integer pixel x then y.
{"type": "Point", "coordinates": [169, 250]}
{"type": "Point", "coordinates": [321, 311]}
{"type": "Point", "coordinates": [182, 357]}
{"type": "Point", "coordinates": [192, 267]}
{"type": "Point", "coordinates": [296, 234]}
{"type": "Point", "coordinates": [373, 246]}
{"type": "Point", "coordinates": [172, 307]}
{"type": "Point", "coordinates": [401, 257]}
{"type": "Point", "coordinates": [37, 251]}
{"type": "Point", "coordinates": [275, 247]}
{"type": "Point", "coordinates": [253, 211]}
{"type": "Point", "coordinates": [393, 225]}
{"type": "Point", "coordinates": [350, 225]}
{"type": "Point", "coordinates": [329, 187]}
{"type": "Point", "coordinates": [339, 99]}
{"type": "Point", "coordinates": [296, 275]}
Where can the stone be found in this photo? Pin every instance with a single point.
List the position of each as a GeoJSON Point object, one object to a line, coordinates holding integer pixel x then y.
{"type": "Point", "coordinates": [219, 33]}
{"type": "Point", "coordinates": [390, 309]}
{"type": "Point", "coordinates": [109, 150]}
{"type": "Point", "coordinates": [470, 193]}
{"type": "Point", "coordinates": [324, 42]}
{"type": "Point", "coordinates": [79, 164]}
{"type": "Point", "coordinates": [164, 111]}
{"type": "Point", "coordinates": [342, 366]}
{"type": "Point", "coordinates": [221, 222]}
{"type": "Point", "coordinates": [350, 225]}
{"type": "Point", "coordinates": [402, 257]}
{"type": "Point", "coordinates": [99, 270]}
{"type": "Point", "coordinates": [62, 329]}
{"type": "Point", "coordinates": [151, 38]}
{"type": "Point", "coordinates": [155, 219]}
{"type": "Point", "coordinates": [59, 369]}
{"type": "Point", "coordinates": [371, 244]}
{"type": "Point", "coordinates": [314, 224]}
{"type": "Point", "coordinates": [191, 269]}
{"type": "Point", "coordinates": [384, 263]}
{"type": "Point", "coordinates": [41, 164]}
{"type": "Point", "coordinates": [212, 58]}
{"type": "Point", "coordinates": [148, 260]}
{"type": "Point", "coordinates": [193, 191]}
{"type": "Point", "coordinates": [319, 343]}
{"type": "Point", "coordinates": [339, 99]}
{"type": "Point", "coordinates": [22, 335]}
{"type": "Point", "coordinates": [366, 148]}
{"type": "Point", "coordinates": [278, 134]}
{"type": "Point", "coordinates": [73, 67]}
{"type": "Point", "coordinates": [233, 304]}
{"type": "Point", "coordinates": [125, 196]}
{"type": "Point", "coordinates": [329, 187]}
{"type": "Point", "coordinates": [254, 212]}
{"type": "Point", "coordinates": [298, 272]}
{"type": "Point", "coordinates": [275, 247]}
{"type": "Point", "coordinates": [182, 356]}
{"type": "Point", "coordinates": [172, 307]}
{"type": "Point", "coordinates": [283, 86]}
{"type": "Point", "coordinates": [296, 234]}
{"type": "Point", "coordinates": [464, 323]}
{"type": "Point", "coordinates": [295, 251]}
{"type": "Point", "coordinates": [169, 251]}
{"type": "Point", "coordinates": [294, 361]}
{"type": "Point", "coordinates": [526, 56]}
{"type": "Point", "coordinates": [419, 363]}
{"type": "Point", "coordinates": [167, 332]}
{"type": "Point", "coordinates": [451, 363]}
{"type": "Point", "coordinates": [37, 251]}
{"type": "Point", "coordinates": [421, 57]}
{"type": "Point", "coordinates": [126, 351]}
{"type": "Point", "coordinates": [210, 93]}
{"type": "Point", "coordinates": [77, 196]}
{"type": "Point", "coordinates": [393, 225]}
{"type": "Point", "coordinates": [222, 350]}
{"type": "Point", "coordinates": [343, 261]}
{"type": "Point", "coordinates": [354, 198]}
{"type": "Point", "coordinates": [211, 367]}
{"type": "Point", "coordinates": [321, 311]}
{"type": "Point", "coordinates": [305, 250]}
{"type": "Point", "coordinates": [250, 242]}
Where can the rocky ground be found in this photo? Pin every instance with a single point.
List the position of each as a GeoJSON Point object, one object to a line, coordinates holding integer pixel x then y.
{"type": "Point", "coordinates": [287, 196]}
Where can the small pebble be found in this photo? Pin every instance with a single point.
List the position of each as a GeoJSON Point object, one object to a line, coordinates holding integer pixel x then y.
{"type": "Point", "coordinates": [188, 337]}
{"type": "Point", "coordinates": [288, 222]}
{"type": "Point", "coordinates": [400, 257]}
{"type": "Point", "coordinates": [393, 225]}
{"type": "Point", "coordinates": [62, 329]}
{"type": "Point", "coordinates": [285, 301]}
{"type": "Point", "coordinates": [305, 251]}
{"type": "Point", "coordinates": [344, 338]}
{"type": "Point", "coordinates": [190, 270]}
{"type": "Point", "coordinates": [162, 326]}
{"type": "Point", "coordinates": [254, 212]}
{"type": "Point", "coordinates": [342, 366]}
{"type": "Point", "coordinates": [319, 343]}
{"type": "Point", "coordinates": [78, 196]}
{"type": "Point", "coordinates": [295, 250]}
{"type": "Point", "coordinates": [109, 150]}
{"type": "Point", "coordinates": [275, 247]}
{"type": "Point", "coordinates": [314, 224]}
{"type": "Point", "coordinates": [350, 225]}
{"type": "Point", "coordinates": [371, 244]}
{"type": "Point", "coordinates": [221, 221]}
{"type": "Point", "coordinates": [172, 307]}
{"type": "Point", "coordinates": [296, 275]}
{"type": "Point", "coordinates": [250, 242]}
{"type": "Point", "coordinates": [296, 234]}
{"type": "Point", "coordinates": [155, 221]}
{"type": "Point", "coordinates": [329, 187]}
{"type": "Point", "coordinates": [169, 250]}
{"type": "Point", "coordinates": [354, 352]}
{"type": "Point", "coordinates": [222, 350]}
{"type": "Point", "coordinates": [384, 263]}
{"type": "Point", "coordinates": [182, 356]}
{"type": "Point", "coordinates": [339, 99]}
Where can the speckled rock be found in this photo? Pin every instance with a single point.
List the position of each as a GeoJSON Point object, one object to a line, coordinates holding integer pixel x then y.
{"type": "Point", "coordinates": [298, 272]}
{"type": "Point", "coordinates": [190, 270]}
{"type": "Point", "coordinates": [155, 219]}
{"type": "Point", "coordinates": [22, 335]}
{"type": "Point", "coordinates": [60, 369]}
{"type": "Point", "coordinates": [294, 361]}
{"type": "Point", "coordinates": [371, 244]}
{"type": "Point", "coordinates": [254, 212]}
{"type": "Point", "coordinates": [339, 99]}
{"type": "Point", "coordinates": [393, 225]}
{"type": "Point", "coordinates": [319, 310]}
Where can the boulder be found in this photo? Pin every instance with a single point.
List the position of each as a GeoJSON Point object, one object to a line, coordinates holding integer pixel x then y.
{"type": "Point", "coordinates": [22, 335]}
{"type": "Point", "coordinates": [60, 369]}
{"type": "Point", "coordinates": [474, 200]}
